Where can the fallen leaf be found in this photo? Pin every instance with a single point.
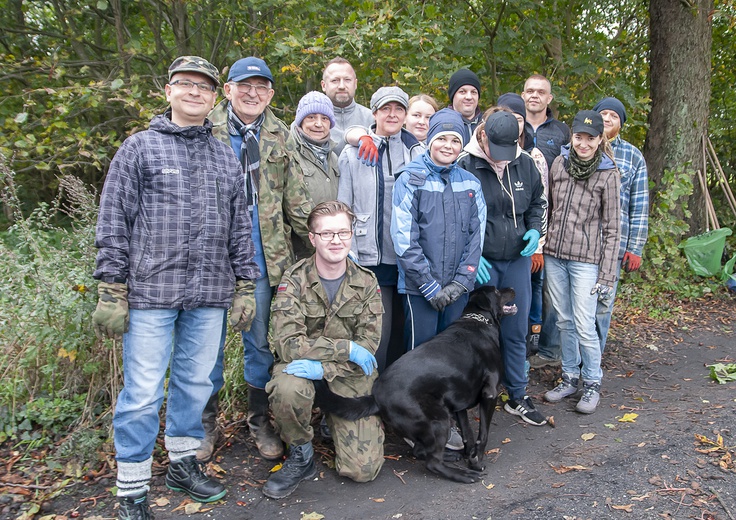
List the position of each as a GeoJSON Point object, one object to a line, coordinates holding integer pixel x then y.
{"type": "Point", "coordinates": [557, 485]}
{"type": "Point", "coordinates": [629, 508]}
{"type": "Point", "coordinates": [276, 468]}
{"type": "Point", "coordinates": [551, 421]}
{"type": "Point", "coordinates": [487, 486]}
{"type": "Point", "coordinates": [312, 516]}
{"type": "Point", "coordinates": [565, 469]}
{"type": "Point", "coordinates": [587, 436]}
{"type": "Point", "coordinates": [379, 500]}
{"type": "Point", "coordinates": [162, 502]}
{"type": "Point", "coordinates": [192, 508]}
{"type": "Point", "coordinates": [217, 468]}
{"type": "Point", "coordinates": [184, 504]}
{"type": "Point", "coordinates": [611, 426]}
{"type": "Point", "coordinates": [643, 497]}
{"type": "Point", "coordinates": [641, 444]}
{"type": "Point", "coordinates": [506, 441]}
{"type": "Point", "coordinates": [493, 451]}
{"type": "Point", "coordinates": [629, 417]}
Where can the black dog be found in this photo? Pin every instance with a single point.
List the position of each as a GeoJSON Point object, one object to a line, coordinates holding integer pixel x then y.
{"type": "Point", "coordinates": [459, 368]}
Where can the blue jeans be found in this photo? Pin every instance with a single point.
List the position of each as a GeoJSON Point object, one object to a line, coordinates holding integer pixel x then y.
{"type": "Point", "coordinates": [257, 356]}
{"type": "Point", "coordinates": [603, 313]}
{"type": "Point", "coordinates": [535, 309]}
{"type": "Point", "coordinates": [423, 322]}
{"type": "Point", "coordinates": [186, 343]}
{"type": "Point", "coordinates": [515, 274]}
{"type": "Point", "coordinates": [570, 284]}
{"type": "Point", "coordinates": [549, 339]}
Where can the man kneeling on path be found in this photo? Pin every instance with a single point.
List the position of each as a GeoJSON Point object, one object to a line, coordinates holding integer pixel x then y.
{"type": "Point", "coordinates": [325, 324]}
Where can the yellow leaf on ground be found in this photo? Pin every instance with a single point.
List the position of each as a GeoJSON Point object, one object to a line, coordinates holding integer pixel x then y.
{"type": "Point", "coordinates": [587, 436]}
{"type": "Point", "coordinates": [217, 468]}
{"type": "Point", "coordinates": [379, 500]}
{"type": "Point", "coordinates": [565, 469]}
{"type": "Point", "coordinates": [487, 486]}
{"type": "Point", "coordinates": [192, 507]}
{"type": "Point", "coordinates": [506, 441]}
{"type": "Point", "coordinates": [276, 468]}
{"type": "Point", "coordinates": [312, 516]}
{"type": "Point", "coordinates": [162, 502]}
{"type": "Point", "coordinates": [629, 417]}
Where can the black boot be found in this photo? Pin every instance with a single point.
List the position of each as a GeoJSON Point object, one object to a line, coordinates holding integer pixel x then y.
{"type": "Point", "coordinates": [211, 432]}
{"type": "Point", "coordinates": [297, 467]}
{"type": "Point", "coordinates": [134, 508]}
{"type": "Point", "coordinates": [187, 475]}
{"type": "Point", "coordinates": [267, 441]}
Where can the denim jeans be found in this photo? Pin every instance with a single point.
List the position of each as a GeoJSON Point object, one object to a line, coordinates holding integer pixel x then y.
{"type": "Point", "coordinates": [535, 309]}
{"type": "Point", "coordinates": [570, 284]}
{"type": "Point", "coordinates": [515, 274]}
{"type": "Point", "coordinates": [186, 343]}
{"type": "Point", "coordinates": [603, 313]}
{"type": "Point", "coordinates": [423, 322]}
{"type": "Point", "coordinates": [549, 339]}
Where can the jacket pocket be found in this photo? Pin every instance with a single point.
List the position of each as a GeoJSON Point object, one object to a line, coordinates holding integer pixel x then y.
{"type": "Point", "coordinates": [464, 206]}
{"type": "Point", "coordinates": [362, 221]}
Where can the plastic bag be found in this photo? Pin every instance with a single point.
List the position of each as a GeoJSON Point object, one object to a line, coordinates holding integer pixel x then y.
{"type": "Point", "coordinates": [704, 252]}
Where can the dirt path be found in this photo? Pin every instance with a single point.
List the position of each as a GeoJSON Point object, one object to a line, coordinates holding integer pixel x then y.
{"type": "Point", "coordinates": [587, 467]}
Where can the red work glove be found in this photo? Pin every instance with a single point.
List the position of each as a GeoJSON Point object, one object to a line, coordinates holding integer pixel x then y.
{"type": "Point", "coordinates": [537, 262]}
{"type": "Point", "coordinates": [367, 151]}
{"type": "Point", "coordinates": [631, 262]}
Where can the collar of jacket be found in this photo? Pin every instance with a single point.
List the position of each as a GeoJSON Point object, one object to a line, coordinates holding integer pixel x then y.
{"type": "Point", "coordinates": [353, 279]}
{"type": "Point", "coordinates": [345, 110]}
{"type": "Point", "coordinates": [299, 137]}
{"type": "Point", "coordinates": [163, 123]}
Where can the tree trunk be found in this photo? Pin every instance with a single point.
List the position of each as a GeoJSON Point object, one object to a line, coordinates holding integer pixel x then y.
{"type": "Point", "coordinates": [680, 69]}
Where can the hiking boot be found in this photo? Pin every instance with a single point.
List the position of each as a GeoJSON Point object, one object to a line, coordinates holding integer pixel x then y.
{"type": "Point", "coordinates": [324, 429]}
{"type": "Point", "coordinates": [211, 432]}
{"type": "Point", "coordinates": [455, 442]}
{"type": "Point", "coordinates": [134, 508]}
{"type": "Point", "coordinates": [567, 387]}
{"type": "Point", "coordinates": [187, 475]}
{"type": "Point", "coordinates": [524, 408]}
{"type": "Point", "coordinates": [591, 395]}
{"type": "Point", "coordinates": [539, 361]}
{"type": "Point", "coordinates": [298, 466]}
{"type": "Point", "coordinates": [261, 430]}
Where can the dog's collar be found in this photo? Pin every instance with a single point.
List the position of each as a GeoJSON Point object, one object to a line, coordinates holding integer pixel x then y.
{"type": "Point", "coordinates": [477, 317]}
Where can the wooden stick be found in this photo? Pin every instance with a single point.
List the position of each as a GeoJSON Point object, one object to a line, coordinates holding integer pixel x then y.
{"type": "Point", "coordinates": [723, 184]}
{"type": "Point", "coordinates": [707, 208]}
{"type": "Point", "coordinates": [726, 187]}
{"type": "Point", "coordinates": [706, 192]}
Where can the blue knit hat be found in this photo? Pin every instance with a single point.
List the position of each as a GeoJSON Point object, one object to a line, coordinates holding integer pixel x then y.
{"type": "Point", "coordinates": [446, 121]}
{"type": "Point", "coordinates": [611, 103]}
{"type": "Point", "coordinates": [314, 103]}
{"type": "Point", "coordinates": [514, 102]}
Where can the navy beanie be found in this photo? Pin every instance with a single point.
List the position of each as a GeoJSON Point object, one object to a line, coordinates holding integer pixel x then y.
{"type": "Point", "coordinates": [611, 103]}
{"type": "Point", "coordinates": [460, 78]}
{"type": "Point", "coordinates": [514, 102]}
{"type": "Point", "coordinates": [446, 121]}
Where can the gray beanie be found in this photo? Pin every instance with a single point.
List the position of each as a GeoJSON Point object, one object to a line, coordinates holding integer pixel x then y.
{"type": "Point", "coordinates": [314, 103]}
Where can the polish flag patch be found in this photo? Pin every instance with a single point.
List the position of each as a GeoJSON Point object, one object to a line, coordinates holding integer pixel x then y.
{"type": "Point", "coordinates": [282, 287]}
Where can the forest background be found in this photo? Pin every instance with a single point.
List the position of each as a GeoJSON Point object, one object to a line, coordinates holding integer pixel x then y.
{"type": "Point", "coordinates": [79, 77]}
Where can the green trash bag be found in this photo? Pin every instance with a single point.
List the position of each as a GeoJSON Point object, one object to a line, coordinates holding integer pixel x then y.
{"type": "Point", "coordinates": [704, 252]}
{"type": "Point", "coordinates": [728, 270]}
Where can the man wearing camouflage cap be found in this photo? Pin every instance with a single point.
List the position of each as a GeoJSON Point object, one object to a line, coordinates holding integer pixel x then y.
{"type": "Point", "coordinates": [175, 249]}
{"type": "Point", "coordinates": [278, 201]}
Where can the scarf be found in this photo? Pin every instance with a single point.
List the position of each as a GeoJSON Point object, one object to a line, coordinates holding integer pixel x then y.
{"type": "Point", "coordinates": [580, 169]}
{"type": "Point", "coordinates": [250, 155]}
{"type": "Point", "coordinates": [320, 149]}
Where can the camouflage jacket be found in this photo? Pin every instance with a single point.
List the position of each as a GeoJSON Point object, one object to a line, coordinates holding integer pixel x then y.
{"type": "Point", "coordinates": [304, 326]}
{"type": "Point", "coordinates": [283, 200]}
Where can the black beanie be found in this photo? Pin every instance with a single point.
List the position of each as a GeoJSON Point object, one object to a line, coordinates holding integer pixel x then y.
{"type": "Point", "coordinates": [460, 78]}
{"type": "Point", "coordinates": [514, 102]}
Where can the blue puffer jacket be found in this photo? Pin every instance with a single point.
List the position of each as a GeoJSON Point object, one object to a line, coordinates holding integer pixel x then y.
{"type": "Point", "coordinates": [173, 223]}
{"type": "Point", "coordinates": [437, 226]}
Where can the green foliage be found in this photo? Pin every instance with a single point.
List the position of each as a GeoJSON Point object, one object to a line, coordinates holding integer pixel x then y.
{"type": "Point", "coordinates": [723, 373]}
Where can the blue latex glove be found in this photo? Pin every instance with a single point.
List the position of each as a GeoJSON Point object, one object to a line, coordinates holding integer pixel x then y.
{"type": "Point", "coordinates": [532, 236]}
{"type": "Point", "coordinates": [604, 291]}
{"type": "Point", "coordinates": [306, 369]}
{"type": "Point", "coordinates": [363, 358]}
{"type": "Point", "coordinates": [483, 275]}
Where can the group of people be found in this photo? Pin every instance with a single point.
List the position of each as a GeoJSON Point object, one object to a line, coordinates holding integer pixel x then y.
{"type": "Point", "coordinates": [340, 243]}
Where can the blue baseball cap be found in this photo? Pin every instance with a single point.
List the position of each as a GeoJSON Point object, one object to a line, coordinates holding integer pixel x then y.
{"type": "Point", "coordinates": [249, 67]}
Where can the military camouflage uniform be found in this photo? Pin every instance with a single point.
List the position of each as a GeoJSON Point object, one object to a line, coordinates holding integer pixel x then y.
{"type": "Point", "coordinates": [281, 190]}
{"type": "Point", "coordinates": [304, 327]}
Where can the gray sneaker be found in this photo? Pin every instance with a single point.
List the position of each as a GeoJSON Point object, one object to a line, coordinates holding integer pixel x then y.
{"type": "Point", "coordinates": [455, 442]}
{"type": "Point", "coordinates": [567, 387]}
{"type": "Point", "coordinates": [590, 398]}
{"type": "Point", "coordinates": [539, 361]}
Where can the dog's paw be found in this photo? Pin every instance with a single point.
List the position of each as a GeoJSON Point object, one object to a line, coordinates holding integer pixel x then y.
{"type": "Point", "coordinates": [475, 464]}
{"type": "Point", "coordinates": [452, 455]}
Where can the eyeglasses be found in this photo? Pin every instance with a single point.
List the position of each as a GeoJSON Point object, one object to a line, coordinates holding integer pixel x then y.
{"type": "Point", "coordinates": [186, 84]}
{"type": "Point", "coordinates": [328, 236]}
{"type": "Point", "coordinates": [247, 88]}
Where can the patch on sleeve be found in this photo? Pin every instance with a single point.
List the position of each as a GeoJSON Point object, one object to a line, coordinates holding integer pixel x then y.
{"type": "Point", "coordinates": [471, 268]}
{"type": "Point", "coordinates": [282, 287]}
{"type": "Point", "coordinates": [378, 289]}
{"type": "Point", "coordinates": [470, 194]}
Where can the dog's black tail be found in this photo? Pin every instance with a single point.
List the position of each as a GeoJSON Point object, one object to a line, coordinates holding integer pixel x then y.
{"type": "Point", "coordinates": [349, 408]}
